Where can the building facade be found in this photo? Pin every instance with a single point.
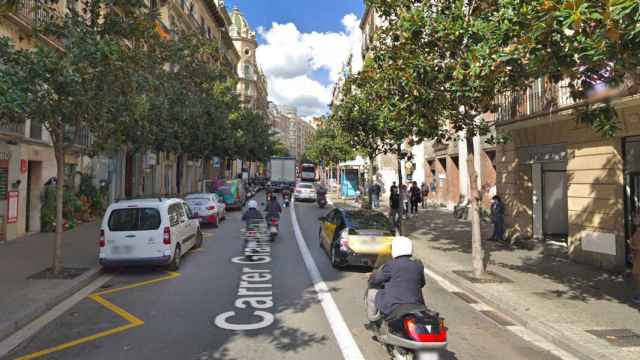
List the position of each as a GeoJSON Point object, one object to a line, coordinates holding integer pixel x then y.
{"type": "Point", "coordinates": [252, 83]}
{"type": "Point", "coordinates": [563, 183]}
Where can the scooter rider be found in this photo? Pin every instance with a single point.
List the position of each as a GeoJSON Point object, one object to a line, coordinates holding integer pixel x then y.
{"type": "Point", "coordinates": [272, 208]}
{"type": "Point", "coordinates": [403, 280]}
{"type": "Point", "coordinates": [252, 212]}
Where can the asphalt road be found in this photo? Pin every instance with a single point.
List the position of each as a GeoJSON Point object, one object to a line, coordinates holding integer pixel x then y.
{"type": "Point", "coordinates": [206, 312]}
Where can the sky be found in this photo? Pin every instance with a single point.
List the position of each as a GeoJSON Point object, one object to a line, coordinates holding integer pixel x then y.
{"type": "Point", "coordinates": [303, 46]}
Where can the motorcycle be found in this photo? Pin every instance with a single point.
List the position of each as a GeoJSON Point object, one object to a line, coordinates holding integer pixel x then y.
{"type": "Point", "coordinates": [286, 197]}
{"type": "Point", "coordinates": [253, 234]}
{"type": "Point", "coordinates": [321, 198]}
{"type": "Point", "coordinates": [273, 221]}
{"type": "Point", "coordinates": [411, 332]}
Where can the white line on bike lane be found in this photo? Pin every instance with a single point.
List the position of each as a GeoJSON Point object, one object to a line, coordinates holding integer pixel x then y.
{"type": "Point", "coordinates": [344, 338]}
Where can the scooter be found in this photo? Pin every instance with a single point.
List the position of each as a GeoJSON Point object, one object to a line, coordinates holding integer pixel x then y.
{"type": "Point", "coordinates": [321, 198]}
{"type": "Point", "coordinates": [411, 332]}
{"type": "Point", "coordinates": [286, 197]}
{"type": "Point", "coordinates": [273, 222]}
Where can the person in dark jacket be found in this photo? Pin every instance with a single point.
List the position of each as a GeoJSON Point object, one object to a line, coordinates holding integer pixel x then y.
{"type": "Point", "coordinates": [497, 215]}
{"type": "Point", "coordinates": [272, 208]}
{"type": "Point", "coordinates": [252, 212]}
{"type": "Point", "coordinates": [415, 197]}
{"type": "Point", "coordinates": [403, 280]}
{"type": "Point", "coordinates": [394, 205]}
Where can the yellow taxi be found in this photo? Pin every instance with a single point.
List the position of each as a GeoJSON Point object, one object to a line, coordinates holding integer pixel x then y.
{"type": "Point", "coordinates": [356, 237]}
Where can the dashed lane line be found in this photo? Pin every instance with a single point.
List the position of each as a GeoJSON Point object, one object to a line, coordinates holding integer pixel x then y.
{"type": "Point", "coordinates": [132, 321]}
{"type": "Point", "coordinates": [518, 330]}
{"type": "Point", "coordinates": [341, 332]}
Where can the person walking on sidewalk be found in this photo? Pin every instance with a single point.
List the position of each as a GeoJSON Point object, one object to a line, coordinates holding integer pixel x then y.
{"type": "Point", "coordinates": [634, 244]}
{"type": "Point", "coordinates": [394, 206]}
{"type": "Point", "coordinates": [376, 195]}
{"type": "Point", "coordinates": [404, 199]}
{"type": "Point", "coordinates": [393, 187]}
{"type": "Point", "coordinates": [424, 189]}
{"type": "Point", "coordinates": [497, 216]}
{"type": "Point", "coordinates": [415, 197]}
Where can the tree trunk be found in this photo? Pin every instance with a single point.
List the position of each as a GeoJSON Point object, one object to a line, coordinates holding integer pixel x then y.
{"type": "Point", "coordinates": [399, 160]}
{"type": "Point", "coordinates": [141, 177]}
{"type": "Point", "coordinates": [57, 265]}
{"type": "Point", "coordinates": [371, 176]}
{"type": "Point", "coordinates": [474, 197]}
{"type": "Point", "coordinates": [399, 164]}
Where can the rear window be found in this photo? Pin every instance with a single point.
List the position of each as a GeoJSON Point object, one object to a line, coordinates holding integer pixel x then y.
{"type": "Point", "coordinates": [369, 220]}
{"type": "Point", "coordinates": [134, 219]}
{"type": "Point", "coordinates": [305, 186]}
{"type": "Point", "coordinates": [197, 201]}
{"type": "Point", "coordinates": [224, 190]}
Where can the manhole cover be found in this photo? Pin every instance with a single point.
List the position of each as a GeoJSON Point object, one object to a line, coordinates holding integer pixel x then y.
{"type": "Point", "coordinates": [466, 298]}
{"type": "Point", "coordinates": [497, 318]}
{"type": "Point", "coordinates": [617, 337]}
{"type": "Point", "coordinates": [489, 277]}
{"type": "Point", "coordinates": [67, 273]}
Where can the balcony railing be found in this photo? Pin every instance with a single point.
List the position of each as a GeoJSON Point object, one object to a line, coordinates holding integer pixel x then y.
{"type": "Point", "coordinates": [31, 11]}
{"type": "Point", "coordinates": [15, 128]}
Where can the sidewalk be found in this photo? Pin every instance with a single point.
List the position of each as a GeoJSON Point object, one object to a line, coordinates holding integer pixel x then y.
{"type": "Point", "coordinates": [25, 299]}
{"type": "Point", "coordinates": [559, 300]}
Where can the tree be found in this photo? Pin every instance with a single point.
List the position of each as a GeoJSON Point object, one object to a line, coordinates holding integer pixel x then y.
{"type": "Point", "coordinates": [67, 91]}
{"type": "Point", "coordinates": [329, 146]}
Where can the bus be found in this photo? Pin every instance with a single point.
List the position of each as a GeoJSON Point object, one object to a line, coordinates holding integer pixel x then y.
{"type": "Point", "coordinates": [308, 172]}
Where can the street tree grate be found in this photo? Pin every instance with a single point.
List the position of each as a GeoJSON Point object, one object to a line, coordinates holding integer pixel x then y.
{"type": "Point", "coordinates": [497, 317]}
{"type": "Point", "coordinates": [617, 337]}
{"type": "Point", "coordinates": [489, 277]}
{"type": "Point", "coordinates": [466, 298]}
{"type": "Point", "coordinates": [68, 273]}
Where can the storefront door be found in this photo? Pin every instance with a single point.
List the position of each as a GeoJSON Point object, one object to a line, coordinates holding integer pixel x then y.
{"type": "Point", "coordinates": [555, 223]}
{"type": "Point", "coordinates": [632, 184]}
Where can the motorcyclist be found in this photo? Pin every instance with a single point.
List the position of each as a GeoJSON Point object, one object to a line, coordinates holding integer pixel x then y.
{"type": "Point", "coordinates": [252, 212]}
{"type": "Point", "coordinates": [272, 207]}
{"type": "Point", "coordinates": [403, 280]}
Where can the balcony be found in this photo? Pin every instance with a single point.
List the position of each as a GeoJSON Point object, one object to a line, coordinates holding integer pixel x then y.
{"type": "Point", "coordinates": [31, 12]}
{"type": "Point", "coordinates": [13, 128]}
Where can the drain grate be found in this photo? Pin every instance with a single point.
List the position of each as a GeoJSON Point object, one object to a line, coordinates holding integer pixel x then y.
{"type": "Point", "coordinates": [617, 337]}
{"type": "Point", "coordinates": [68, 273]}
{"type": "Point", "coordinates": [466, 298]}
{"type": "Point", "coordinates": [497, 317]}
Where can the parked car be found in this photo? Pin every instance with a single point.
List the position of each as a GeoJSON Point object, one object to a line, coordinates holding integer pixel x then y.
{"type": "Point", "coordinates": [148, 232]}
{"type": "Point", "coordinates": [305, 191]}
{"type": "Point", "coordinates": [233, 194]}
{"type": "Point", "coordinates": [207, 207]}
{"type": "Point", "coordinates": [356, 237]}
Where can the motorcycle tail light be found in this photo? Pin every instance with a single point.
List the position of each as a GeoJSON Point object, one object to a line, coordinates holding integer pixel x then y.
{"type": "Point", "coordinates": [274, 221]}
{"type": "Point", "coordinates": [425, 332]}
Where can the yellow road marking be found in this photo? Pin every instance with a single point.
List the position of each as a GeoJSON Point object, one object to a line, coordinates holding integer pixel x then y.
{"type": "Point", "coordinates": [132, 320]}
{"type": "Point", "coordinates": [143, 283]}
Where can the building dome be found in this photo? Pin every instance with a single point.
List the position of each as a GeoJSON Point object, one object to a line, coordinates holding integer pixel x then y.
{"type": "Point", "coordinates": [240, 25]}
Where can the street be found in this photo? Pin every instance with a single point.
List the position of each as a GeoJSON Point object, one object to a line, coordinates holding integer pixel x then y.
{"type": "Point", "coordinates": [152, 313]}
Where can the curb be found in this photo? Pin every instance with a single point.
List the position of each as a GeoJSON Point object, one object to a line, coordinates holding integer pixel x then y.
{"type": "Point", "coordinates": [546, 331]}
{"type": "Point", "coordinates": [79, 283]}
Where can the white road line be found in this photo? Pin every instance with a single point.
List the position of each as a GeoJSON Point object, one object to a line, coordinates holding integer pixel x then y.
{"type": "Point", "coordinates": [36, 325]}
{"type": "Point", "coordinates": [520, 331]}
{"type": "Point", "coordinates": [344, 338]}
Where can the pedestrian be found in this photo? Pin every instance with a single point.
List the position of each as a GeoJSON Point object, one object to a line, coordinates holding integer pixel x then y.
{"type": "Point", "coordinates": [415, 197]}
{"type": "Point", "coordinates": [404, 199]}
{"type": "Point", "coordinates": [377, 189]}
{"type": "Point", "coordinates": [425, 194]}
{"type": "Point", "coordinates": [497, 216]}
{"type": "Point", "coordinates": [394, 186]}
{"type": "Point", "coordinates": [394, 206]}
{"type": "Point", "coordinates": [634, 245]}
{"type": "Point", "coordinates": [370, 193]}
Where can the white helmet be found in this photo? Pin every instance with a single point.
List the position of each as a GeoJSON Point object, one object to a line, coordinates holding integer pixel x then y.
{"type": "Point", "coordinates": [252, 204]}
{"type": "Point", "coordinates": [401, 246]}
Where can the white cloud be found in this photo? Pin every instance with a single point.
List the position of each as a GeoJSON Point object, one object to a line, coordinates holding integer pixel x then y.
{"type": "Point", "coordinates": [290, 58]}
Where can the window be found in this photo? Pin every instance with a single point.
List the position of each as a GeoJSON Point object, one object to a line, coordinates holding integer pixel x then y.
{"type": "Point", "coordinates": [175, 214]}
{"type": "Point", "coordinates": [369, 220]}
{"type": "Point", "coordinates": [187, 212]}
{"type": "Point", "coordinates": [134, 219]}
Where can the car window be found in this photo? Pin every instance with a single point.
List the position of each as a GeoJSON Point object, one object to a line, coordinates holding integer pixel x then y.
{"type": "Point", "coordinates": [368, 220]}
{"type": "Point", "coordinates": [333, 217]}
{"type": "Point", "coordinates": [134, 219]}
{"type": "Point", "coordinates": [175, 214]}
{"type": "Point", "coordinates": [197, 201]}
{"type": "Point", "coordinates": [305, 186]}
{"type": "Point", "coordinates": [187, 212]}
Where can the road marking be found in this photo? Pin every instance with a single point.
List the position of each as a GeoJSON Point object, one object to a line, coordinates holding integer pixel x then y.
{"type": "Point", "coordinates": [132, 320]}
{"type": "Point", "coordinates": [344, 338]}
{"type": "Point", "coordinates": [523, 333]}
{"type": "Point", "coordinates": [36, 325]}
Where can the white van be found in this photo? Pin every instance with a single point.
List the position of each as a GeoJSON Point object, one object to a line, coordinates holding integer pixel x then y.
{"type": "Point", "coordinates": [148, 232]}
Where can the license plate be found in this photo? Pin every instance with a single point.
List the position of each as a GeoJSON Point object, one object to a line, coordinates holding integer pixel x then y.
{"type": "Point", "coordinates": [273, 229]}
{"type": "Point", "coordinates": [122, 250]}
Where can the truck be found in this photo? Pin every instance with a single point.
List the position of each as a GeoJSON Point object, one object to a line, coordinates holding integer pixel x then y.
{"type": "Point", "coordinates": [282, 173]}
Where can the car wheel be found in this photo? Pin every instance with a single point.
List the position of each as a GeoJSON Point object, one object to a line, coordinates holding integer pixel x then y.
{"type": "Point", "coordinates": [320, 238]}
{"type": "Point", "coordinates": [175, 263]}
{"type": "Point", "coordinates": [199, 240]}
{"type": "Point", "coordinates": [224, 215]}
{"type": "Point", "coordinates": [334, 257]}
